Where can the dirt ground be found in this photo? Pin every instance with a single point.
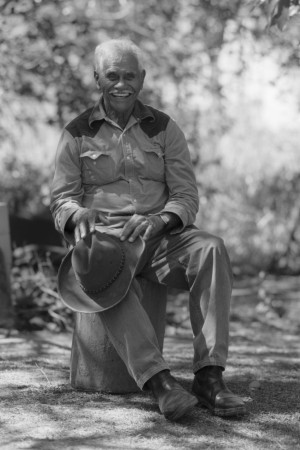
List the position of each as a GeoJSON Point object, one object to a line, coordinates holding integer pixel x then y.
{"type": "Point", "coordinates": [39, 410]}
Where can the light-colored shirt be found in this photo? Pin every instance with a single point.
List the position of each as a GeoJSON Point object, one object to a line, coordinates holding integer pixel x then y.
{"type": "Point", "coordinates": [144, 168]}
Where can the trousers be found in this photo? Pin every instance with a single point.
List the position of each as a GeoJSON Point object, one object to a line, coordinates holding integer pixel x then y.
{"type": "Point", "coordinates": [192, 260]}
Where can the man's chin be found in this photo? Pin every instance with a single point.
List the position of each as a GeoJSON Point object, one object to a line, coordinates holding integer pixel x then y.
{"type": "Point", "coordinates": [122, 107]}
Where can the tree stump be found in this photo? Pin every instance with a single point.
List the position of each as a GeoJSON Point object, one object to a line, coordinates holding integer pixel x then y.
{"type": "Point", "coordinates": [95, 364]}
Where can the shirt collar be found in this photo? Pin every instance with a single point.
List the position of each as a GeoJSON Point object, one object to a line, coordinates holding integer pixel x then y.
{"type": "Point", "coordinates": [140, 112]}
{"type": "Point", "coordinates": [97, 113]}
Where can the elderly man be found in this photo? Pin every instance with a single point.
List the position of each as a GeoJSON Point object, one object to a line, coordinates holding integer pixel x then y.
{"type": "Point", "coordinates": [126, 166]}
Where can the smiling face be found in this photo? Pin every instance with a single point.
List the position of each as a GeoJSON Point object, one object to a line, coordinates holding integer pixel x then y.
{"type": "Point", "coordinates": [120, 79]}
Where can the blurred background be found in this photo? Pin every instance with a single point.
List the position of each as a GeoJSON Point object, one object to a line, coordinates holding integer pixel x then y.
{"type": "Point", "coordinates": [226, 70]}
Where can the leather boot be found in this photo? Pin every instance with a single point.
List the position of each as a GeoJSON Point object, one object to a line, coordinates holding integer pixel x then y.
{"type": "Point", "coordinates": [173, 400]}
{"type": "Point", "coordinates": [212, 392]}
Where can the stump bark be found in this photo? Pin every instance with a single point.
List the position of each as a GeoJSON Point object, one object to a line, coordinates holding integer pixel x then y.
{"type": "Point", "coordinates": [95, 364]}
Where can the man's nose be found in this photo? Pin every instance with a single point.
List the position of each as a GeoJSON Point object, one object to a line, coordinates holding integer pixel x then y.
{"type": "Point", "coordinates": [121, 82]}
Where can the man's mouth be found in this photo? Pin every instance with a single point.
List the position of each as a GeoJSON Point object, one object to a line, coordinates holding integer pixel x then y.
{"type": "Point", "coordinates": [122, 94]}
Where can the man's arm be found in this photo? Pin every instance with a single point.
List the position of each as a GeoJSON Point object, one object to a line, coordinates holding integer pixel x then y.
{"type": "Point", "coordinates": [66, 189]}
{"type": "Point", "coordinates": [70, 217]}
{"type": "Point", "coordinates": [182, 205]}
{"type": "Point", "coordinates": [180, 178]}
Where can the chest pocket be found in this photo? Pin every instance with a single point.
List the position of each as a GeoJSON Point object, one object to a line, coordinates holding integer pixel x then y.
{"type": "Point", "coordinates": [98, 165]}
{"type": "Point", "coordinates": [153, 163]}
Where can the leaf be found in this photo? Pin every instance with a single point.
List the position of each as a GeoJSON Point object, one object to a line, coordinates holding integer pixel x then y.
{"type": "Point", "coordinates": [279, 13]}
{"type": "Point", "coordinates": [293, 28]}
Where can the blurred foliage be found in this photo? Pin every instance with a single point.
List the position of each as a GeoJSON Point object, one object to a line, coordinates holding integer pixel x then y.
{"type": "Point", "coordinates": [274, 300]}
{"type": "Point", "coordinates": [226, 70]}
{"type": "Point", "coordinates": [37, 304]}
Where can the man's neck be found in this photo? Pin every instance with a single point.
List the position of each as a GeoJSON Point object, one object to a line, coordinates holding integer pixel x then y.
{"type": "Point", "coordinates": [120, 119]}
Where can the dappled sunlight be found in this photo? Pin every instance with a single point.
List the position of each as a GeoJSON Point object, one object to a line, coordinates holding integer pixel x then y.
{"type": "Point", "coordinates": [228, 73]}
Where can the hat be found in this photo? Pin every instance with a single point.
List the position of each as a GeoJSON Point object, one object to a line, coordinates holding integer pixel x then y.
{"type": "Point", "coordinates": [96, 274]}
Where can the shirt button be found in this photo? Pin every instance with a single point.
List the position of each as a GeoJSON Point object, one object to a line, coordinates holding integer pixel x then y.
{"type": "Point", "coordinates": [134, 200]}
{"type": "Point", "coordinates": [94, 156]}
{"type": "Point", "coordinates": [128, 157]}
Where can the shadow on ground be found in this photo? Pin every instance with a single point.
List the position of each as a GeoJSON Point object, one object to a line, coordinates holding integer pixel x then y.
{"type": "Point", "coordinates": [40, 411]}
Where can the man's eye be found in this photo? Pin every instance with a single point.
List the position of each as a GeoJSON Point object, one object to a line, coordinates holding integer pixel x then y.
{"type": "Point", "coordinates": [112, 76]}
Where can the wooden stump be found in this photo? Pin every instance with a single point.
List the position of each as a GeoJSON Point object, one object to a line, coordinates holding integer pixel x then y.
{"type": "Point", "coordinates": [95, 364]}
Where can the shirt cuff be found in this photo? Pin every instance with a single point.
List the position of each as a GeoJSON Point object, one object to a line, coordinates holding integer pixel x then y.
{"type": "Point", "coordinates": [178, 212]}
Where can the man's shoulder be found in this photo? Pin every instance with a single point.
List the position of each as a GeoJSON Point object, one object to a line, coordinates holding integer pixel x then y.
{"type": "Point", "coordinates": [158, 122]}
{"type": "Point", "coordinates": [158, 114]}
{"type": "Point", "coordinates": [79, 126]}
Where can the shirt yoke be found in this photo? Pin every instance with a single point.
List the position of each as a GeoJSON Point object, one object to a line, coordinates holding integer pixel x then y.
{"type": "Point", "coordinates": [151, 126]}
{"type": "Point", "coordinates": [79, 126]}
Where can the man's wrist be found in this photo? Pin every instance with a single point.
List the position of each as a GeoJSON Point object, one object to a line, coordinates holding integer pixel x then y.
{"type": "Point", "coordinates": [165, 218]}
{"type": "Point", "coordinates": [170, 220]}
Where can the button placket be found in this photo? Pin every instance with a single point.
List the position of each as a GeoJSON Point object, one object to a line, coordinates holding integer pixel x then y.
{"type": "Point", "coordinates": [129, 167]}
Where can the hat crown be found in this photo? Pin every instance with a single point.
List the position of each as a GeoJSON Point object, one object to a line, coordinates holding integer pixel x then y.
{"type": "Point", "coordinates": [77, 277]}
{"type": "Point", "coordinates": [97, 263]}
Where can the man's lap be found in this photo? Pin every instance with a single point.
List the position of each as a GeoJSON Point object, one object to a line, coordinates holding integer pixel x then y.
{"type": "Point", "coordinates": [166, 257]}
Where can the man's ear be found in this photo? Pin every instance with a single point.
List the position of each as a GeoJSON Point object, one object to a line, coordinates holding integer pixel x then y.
{"type": "Point", "coordinates": [96, 76]}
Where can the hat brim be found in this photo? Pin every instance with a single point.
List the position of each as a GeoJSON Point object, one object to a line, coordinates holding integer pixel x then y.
{"type": "Point", "coordinates": [76, 299]}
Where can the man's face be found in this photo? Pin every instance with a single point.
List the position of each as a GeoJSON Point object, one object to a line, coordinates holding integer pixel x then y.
{"type": "Point", "coordinates": [120, 81]}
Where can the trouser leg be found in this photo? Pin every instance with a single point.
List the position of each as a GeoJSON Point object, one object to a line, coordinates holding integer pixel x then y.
{"type": "Point", "coordinates": [210, 283]}
{"type": "Point", "coordinates": [192, 260]}
{"type": "Point", "coordinates": [132, 334]}
{"type": "Point", "coordinates": [198, 262]}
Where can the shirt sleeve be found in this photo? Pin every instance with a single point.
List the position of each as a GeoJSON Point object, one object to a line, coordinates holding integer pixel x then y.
{"type": "Point", "coordinates": [180, 178]}
{"type": "Point", "coordinates": [66, 190]}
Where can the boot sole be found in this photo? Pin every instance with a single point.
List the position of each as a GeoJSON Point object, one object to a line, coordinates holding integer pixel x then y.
{"type": "Point", "coordinates": [221, 412]}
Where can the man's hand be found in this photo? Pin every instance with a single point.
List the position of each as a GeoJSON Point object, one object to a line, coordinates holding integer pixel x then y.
{"type": "Point", "coordinates": [84, 222]}
{"type": "Point", "coordinates": [138, 225]}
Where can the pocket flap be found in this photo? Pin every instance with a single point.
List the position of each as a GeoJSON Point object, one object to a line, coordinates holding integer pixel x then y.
{"type": "Point", "coordinates": [154, 149]}
{"type": "Point", "coordinates": [94, 154]}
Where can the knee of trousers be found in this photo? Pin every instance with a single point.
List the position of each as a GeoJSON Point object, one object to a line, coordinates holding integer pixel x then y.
{"type": "Point", "coordinates": [212, 242]}
{"type": "Point", "coordinates": [211, 251]}
{"type": "Point", "coordinates": [215, 243]}
{"type": "Point", "coordinates": [216, 246]}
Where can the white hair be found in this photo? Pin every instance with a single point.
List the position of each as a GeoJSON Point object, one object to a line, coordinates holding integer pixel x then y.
{"type": "Point", "coordinates": [123, 45]}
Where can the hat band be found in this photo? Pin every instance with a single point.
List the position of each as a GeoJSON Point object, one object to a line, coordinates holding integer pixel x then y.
{"type": "Point", "coordinates": [111, 281]}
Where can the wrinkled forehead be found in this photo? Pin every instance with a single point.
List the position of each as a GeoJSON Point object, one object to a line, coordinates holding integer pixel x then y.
{"type": "Point", "coordinates": [116, 59]}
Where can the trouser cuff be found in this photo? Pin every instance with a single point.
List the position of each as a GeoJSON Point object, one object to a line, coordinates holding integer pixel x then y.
{"type": "Point", "coordinates": [141, 381]}
{"type": "Point", "coordinates": [209, 362]}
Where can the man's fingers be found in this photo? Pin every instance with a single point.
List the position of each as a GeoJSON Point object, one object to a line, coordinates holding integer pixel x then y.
{"type": "Point", "coordinates": [86, 223]}
{"type": "Point", "coordinates": [82, 229]}
{"type": "Point", "coordinates": [77, 234]}
{"type": "Point", "coordinates": [102, 217]}
{"type": "Point", "coordinates": [148, 232]}
{"type": "Point", "coordinates": [129, 227]}
{"type": "Point", "coordinates": [92, 224]}
{"type": "Point", "coordinates": [138, 230]}
{"type": "Point", "coordinates": [96, 217]}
